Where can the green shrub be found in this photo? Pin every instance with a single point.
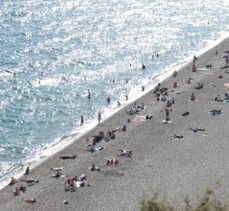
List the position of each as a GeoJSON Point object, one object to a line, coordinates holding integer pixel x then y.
{"type": "Point", "coordinates": [208, 202]}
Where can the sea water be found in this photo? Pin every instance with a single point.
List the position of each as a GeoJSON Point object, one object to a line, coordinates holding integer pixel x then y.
{"type": "Point", "coordinates": [52, 52]}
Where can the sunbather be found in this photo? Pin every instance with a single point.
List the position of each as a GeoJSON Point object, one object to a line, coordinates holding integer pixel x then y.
{"type": "Point", "coordinates": [215, 112]}
{"type": "Point", "coordinates": [127, 153]}
{"type": "Point", "coordinates": [218, 98]}
{"type": "Point", "coordinates": [57, 174]}
{"type": "Point", "coordinates": [32, 200]}
{"type": "Point", "coordinates": [68, 156]}
{"type": "Point", "coordinates": [195, 130]}
{"type": "Point", "coordinates": [178, 136]}
{"type": "Point", "coordinates": [149, 117]}
{"type": "Point", "coordinates": [30, 181]}
{"type": "Point", "coordinates": [81, 178]}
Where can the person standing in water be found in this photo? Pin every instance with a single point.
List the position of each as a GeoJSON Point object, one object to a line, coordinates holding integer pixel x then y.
{"type": "Point", "coordinates": [88, 94]}
{"type": "Point", "coordinates": [99, 117]}
{"type": "Point", "coordinates": [108, 100]}
{"type": "Point", "coordinates": [81, 120]}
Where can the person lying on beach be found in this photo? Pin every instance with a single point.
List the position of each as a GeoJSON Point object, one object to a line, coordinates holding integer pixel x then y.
{"type": "Point", "coordinates": [195, 130]}
{"type": "Point", "coordinates": [218, 99]}
{"type": "Point", "coordinates": [12, 181]}
{"type": "Point", "coordinates": [27, 171]}
{"type": "Point", "coordinates": [149, 117]}
{"type": "Point", "coordinates": [68, 156]}
{"type": "Point", "coordinates": [199, 86]}
{"type": "Point", "coordinates": [178, 136]}
{"type": "Point", "coordinates": [57, 174]}
{"type": "Point", "coordinates": [81, 178]}
{"type": "Point", "coordinates": [94, 168]}
{"type": "Point", "coordinates": [225, 66]}
{"type": "Point", "coordinates": [215, 112]}
{"type": "Point", "coordinates": [185, 113]}
{"type": "Point", "coordinates": [32, 200]}
{"type": "Point", "coordinates": [127, 153]}
{"type": "Point", "coordinates": [30, 181]}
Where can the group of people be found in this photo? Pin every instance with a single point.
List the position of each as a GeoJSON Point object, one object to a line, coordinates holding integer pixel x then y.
{"type": "Point", "coordinates": [160, 94]}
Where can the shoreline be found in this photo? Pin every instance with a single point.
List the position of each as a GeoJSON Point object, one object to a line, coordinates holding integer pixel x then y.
{"type": "Point", "coordinates": [55, 148]}
{"type": "Point", "coordinates": [160, 163]}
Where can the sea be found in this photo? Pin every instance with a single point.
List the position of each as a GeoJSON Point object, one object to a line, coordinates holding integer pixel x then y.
{"type": "Point", "coordinates": [53, 51]}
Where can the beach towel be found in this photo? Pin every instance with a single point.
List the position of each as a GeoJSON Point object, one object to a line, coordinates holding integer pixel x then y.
{"type": "Point", "coordinates": [96, 148]}
{"type": "Point", "coordinates": [138, 119]}
{"type": "Point", "coordinates": [57, 168]}
{"type": "Point", "coordinates": [165, 121]}
{"type": "Point", "coordinates": [112, 161]}
{"type": "Point", "coordinates": [203, 69]}
{"type": "Point", "coordinates": [226, 85]}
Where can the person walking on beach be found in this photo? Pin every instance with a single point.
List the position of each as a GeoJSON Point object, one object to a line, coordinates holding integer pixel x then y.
{"type": "Point", "coordinates": [81, 120]}
{"type": "Point", "coordinates": [99, 117]}
{"type": "Point", "coordinates": [167, 118]}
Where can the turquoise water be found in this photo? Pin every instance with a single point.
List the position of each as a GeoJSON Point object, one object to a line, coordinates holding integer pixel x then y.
{"type": "Point", "coordinates": [53, 51]}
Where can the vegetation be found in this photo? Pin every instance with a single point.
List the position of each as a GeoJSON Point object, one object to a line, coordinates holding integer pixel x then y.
{"type": "Point", "coordinates": [209, 202]}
